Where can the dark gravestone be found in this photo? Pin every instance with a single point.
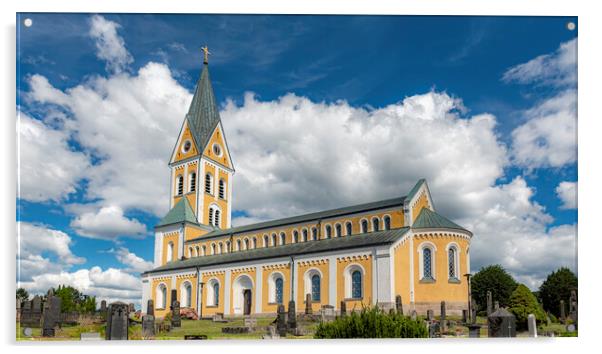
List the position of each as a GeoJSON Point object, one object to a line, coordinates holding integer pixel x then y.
{"type": "Point", "coordinates": [464, 316]}
{"type": "Point", "coordinates": [148, 326]}
{"type": "Point", "coordinates": [117, 321]}
{"type": "Point", "coordinates": [489, 303]}
{"type": "Point", "coordinates": [343, 309]}
{"type": "Point", "coordinates": [150, 308]}
{"type": "Point", "coordinates": [496, 305]}
{"type": "Point", "coordinates": [292, 315]}
{"type": "Point", "coordinates": [501, 323]}
{"type": "Point", "coordinates": [473, 315]}
{"type": "Point", "coordinates": [36, 305]}
{"type": "Point", "coordinates": [174, 296]}
{"type": "Point", "coordinates": [308, 309]}
{"type": "Point", "coordinates": [573, 307]}
{"type": "Point", "coordinates": [562, 312]}
{"type": "Point", "coordinates": [281, 321]}
{"type": "Point", "coordinates": [103, 306]}
{"type": "Point", "coordinates": [398, 304]}
{"type": "Point", "coordinates": [434, 329]}
{"type": "Point", "coordinates": [474, 330]}
{"type": "Point", "coordinates": [429, 315]}
{"type": "Point", "coordinates": [176, 319]}
{"type": "Point", "coordinates": [51, 316]}
{"type": "Point", "coordinates": [443, 319]}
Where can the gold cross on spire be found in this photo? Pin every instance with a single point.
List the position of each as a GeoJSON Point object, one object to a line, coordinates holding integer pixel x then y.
{"type": "Point", "coordinates": [206, 53]}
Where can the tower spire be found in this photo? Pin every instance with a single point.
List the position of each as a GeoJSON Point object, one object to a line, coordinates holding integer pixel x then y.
{"type": "Point", "coordinates": [206, 53]}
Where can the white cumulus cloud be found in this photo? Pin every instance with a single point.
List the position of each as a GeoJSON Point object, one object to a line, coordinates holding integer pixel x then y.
{"type": "Point", "coordinates": [110, 46]}
{"type": "Point", "coordinates": [567, 192]}
{"type": "Point", "coordinates": [133, 262]}
{"type": "Point", "coordinates": [108, 223]}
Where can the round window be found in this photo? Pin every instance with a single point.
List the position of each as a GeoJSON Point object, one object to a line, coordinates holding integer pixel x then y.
{"type": "Point", "coordinates": [186, 147]}
{"type": "Point", "coordinates": [217, 150]}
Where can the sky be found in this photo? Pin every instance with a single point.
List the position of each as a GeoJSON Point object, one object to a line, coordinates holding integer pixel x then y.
{"type": "Point", "coordinates": [319, 112]}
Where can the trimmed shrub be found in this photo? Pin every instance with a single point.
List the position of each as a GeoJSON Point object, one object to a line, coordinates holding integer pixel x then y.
{"type": "Point", "coordinates": [523, 303]}
{"type": "Point", "coordinates": [372, 323]}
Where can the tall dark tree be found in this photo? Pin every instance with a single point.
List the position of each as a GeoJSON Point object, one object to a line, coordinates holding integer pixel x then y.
{"type": "Point", "coordinates": [556, 287]}
{"type": "Point", "coordinates": [22, 294]}
{"type": "Point", "coordinates": [492, 278]}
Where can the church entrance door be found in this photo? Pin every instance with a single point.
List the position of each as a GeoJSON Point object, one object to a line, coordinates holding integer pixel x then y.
{"type": "Point", "coordinates": [247, 301]}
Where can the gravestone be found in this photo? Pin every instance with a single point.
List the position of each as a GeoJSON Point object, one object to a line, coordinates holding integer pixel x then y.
{"type": "Point", "coordinates": [18, 309]}
{"type": "Point", "coordinates": [573, 307]}
{"type": "Point", "coordinates": [176, 319]}
{"type": "Point", "coordinates": [174, 296]}
{"type": "Point", "coordinates": [150, 308]}
{"type": "Point", "coordinates": [89, 336]}
{"type": "Point", "coordinates": [308, 309]}
{"type": "Point", "coordinates": [489, 303]}
{"type": "Point", "coordinates": [36, 305]}
{"type": "Point", "coordinates": [148, 326]}
{"type": "Point", "coordinates": [292, 315]}
{"type": "Point", "coordinates": [434, 329]}
{"type": "Point", "coordinates": [562, 313]}
{"type": "Point", "coordinates": [501, 323]}
{"type": "Point", "coordinates": [103, 306]}
{"type": "Point", "coordinates": [413, 315]}
{"type": "Point", "coordinates": [473, 315]}
{"type": "Point", "coordinates": [51, 316]}
{"type": "Point", "coordinates": [131, 307]}
{"type": "Point", "coordinates": [464, 316]}
{"type": "Point", "coordinates": [26, 313]}
{"type": "Point", "coordinates": [532, 325]}
{"type": "Point", "coordinates": [281, 321]}
{"type": "Point", "coordinates": [429, 315]}
{"type": "Point", "coordinates": [343, 309]}
{"type": "Point", "coordinates": [250, 323]}
{"type": "Point", "coordinates": [117, 321]}
{"type": "Point", "coordinates": [327, 313]}
{"type": "Point", "coordinates": [443, 319]}
{"type": "Point", "coordinates": [474, 330]}
{"type": "Point", "coordinates": [496, 305]}
{"type": "Point", "coordinates": [272, 334]}
{"type": "Point", "coordinates": [398, 304]}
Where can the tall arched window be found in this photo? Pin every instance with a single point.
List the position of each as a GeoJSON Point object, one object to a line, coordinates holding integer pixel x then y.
{"type": "Point", "coordinates": [222, 189]}
{"type": "Point", "coordinates": [427, 263]}
{"type": "Point", "coordinates": [246, 243]}
{"type": "Point", "coordinates": [220, 248]}
{"type": "Point", "coordinates": [170, 253]}
{"type": "Point", "coordinates": [279, 285]}
{"type": "Point", "coordinates": [349, 228]}
{"type": "Point", "coordinates": [186, 294]}
{"type": "Point", "coordinates": [227, 249]}
{"type": "Point", "coordinates": [304, 238]}
{"type": "Point", "coordinates": [315, 287]}
{"type": "Point", "coordinates": [213, 248]}
{"type": "Point", "coordinates": [387, 222]}
{"type": "Point", "coordinates": [364, 226]}
{"type": "Point", "coordinates": [211, 215]}
{"type": "Point", "coordinates": [282, 239]}
{"type": "Point", "coordinates": [197, 251]}
{"type": "Point", "coordinates": [217, 215]}
{"type": "Point", "coordinates": [192, 182]}
{"type": "Point", "coordinates": [180, 185]}
{"type": "Point", "coordinates": [295, 236]}
{"type": "Point", "coordinates": [375, 224]}
{"type": "Point", "coordinates": [209, 183]}
{"type": "Point", "coordinates": [314, 234]}
{"type": "Point", "coordinates": [254, 242]}
{"type": "Point", "coordinates": [328, 230]}
{"type": "Point", "coordinates": [451, 261]}
{"type": "Point", "coordinates": [266, 242]}
{"type": "Point", "coordinates": [338, 230]}
{"type": "Point", "coordinates": [274, 240]}
{"type": "Point", "coordinates": [213, 292]}
{"type": "Point", "coordinates": [356, 284]}
{"type": "Point", "coordinates": [204, 250]}
{"type": "Point", "coordinates": [161, 296]}
{"type": "Point", "coordinates": [238, 245]}
{"type": "Point", "coordinates": [190, 252]}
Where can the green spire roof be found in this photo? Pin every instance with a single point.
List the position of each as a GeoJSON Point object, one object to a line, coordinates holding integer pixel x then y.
{"type": "Point", "coordinates": [181, 212]}
{"type": "Point", "coordinates": [428, 219]}
{"type": "Point", "coordinates": [203, 114]}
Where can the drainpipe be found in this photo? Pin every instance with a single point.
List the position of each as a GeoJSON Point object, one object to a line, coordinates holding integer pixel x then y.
{"type": "Point", "coordinates": [293, 278]}
{"type": "Point", "coordinates": [199, 292]}
{"type": "Point", "coordinates": [319, 229]}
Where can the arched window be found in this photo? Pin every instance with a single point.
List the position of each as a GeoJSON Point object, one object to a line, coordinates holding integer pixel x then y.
{"type": "Point", "coordinates": [314, 234]}
{"type": "Point", "coordinates": [213, 292]}
{"type": "Point", "coordinates": [190, 252]}
{"type": "Point", "coordinates": [197, 251]}
{"type": "Point", "coordinates": [180, 183]}
{"type": "Point", "coordinates": [338, 230]}
{"type": "Point", "coordinates": [279, 285]}
{"type": "Point", "coordinates": [315, 287]}
{"type": "Point", "coordinates": [246, 243]}
{"type": "Point", "coordinates": [375, 224]}
{"type": "Point", "coordinates": [238, 245]}
{"type": "Point", "coordinates": [282, 239]}
{"type": "Point", "coordinates": [213, 248]}
{"type": "Point", "coordinates": [227, 249]}
{"type": "Point", "coordinates": [266, 242]}
{"type": "Point", "coordinates": [204, 250]}
{"type": "Point", "coordinates": [349, 228]}
{"type": "Point", "coordinates": [295, 236]}
{"type": "Point", "coordinates": [356, 284]}
{"type": "Point", "coordinates": [364, 226]}
{"type": "Point", "coordinates": [304, 233]}
{"type": "Point", "coordinates": [216, 221]}
{"type": "Point", "coordinates": [254, 242]}
{"type": "Point", "coordinates": [209, 183]}
{"type": "Point", "coordinates": [161, 296]}
{"type": "Point", "coordinates": [273, 239]}
{"type": "Point", "coordinates": [186, 294]}
{"type": "Point", "coordinates": [222, 189]}
{"type": "Point", "coordinates": [452, 261]}
{"type": "Point", "coordinates": [214, 215]}
{"type": "Point", "coordinates": [192, 182]}
{"type": "Point", "coordinates": [387, 222]}
{"type": "Point", "coordinates": [170, 254]}
{"type": "Point", "coordinates": [211, 215]}
{"type": "Point", "coordinates": [427, 263]}
{"type": "Point", "coordinates": [220, 248]}
{"type": "Point", "coordinates": [328, 229]}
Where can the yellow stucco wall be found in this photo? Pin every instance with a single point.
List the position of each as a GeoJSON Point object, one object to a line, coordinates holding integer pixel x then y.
{"type": "Point", "coordinates": [217, 138]}
{"type": "Point", "coordinates": [160, 312]}
{"type": "Point", "coordinates": [250, 272]}
{"type": "Point", "coordinates": [268, 271]}
{"type": "Point", "coordinates": [441, 289]}
{"type": "Point", "coordinates": [180, 279]}
{"type": "Point", "coordinates": [422, 202]}
{"type": "Point", "coordinates": [365, 262]}
{"type": "Point", "coordinates": [186, 135]}
{"type": "Point", "coordinates": [221, 277]}
{"type": "Point", "coordinates": [167, 238]}
{"type": "Point", "coordinates": [209, 199]}
{"type": "Point", "coordinates": [322, 266]}
{"type": "Point", "coordinates": [402, 271]}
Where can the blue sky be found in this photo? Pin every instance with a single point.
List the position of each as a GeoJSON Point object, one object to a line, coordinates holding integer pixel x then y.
{"type": "Point", "coordinates": [457, 81]}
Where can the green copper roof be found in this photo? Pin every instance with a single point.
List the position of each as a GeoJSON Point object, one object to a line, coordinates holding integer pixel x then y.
{"type": "Point", "coordinates": [428, 219]}
{"type": "Point", "coordinates": [306, 217]}
{"type": "Point", "coordinates": [181, 212]}
{"type": "Point", "coordinates": [203, 114]}
{"type": "Point", "coordinates": [338, 243]}
{"type": "Point", "coordinates": [415, 189]}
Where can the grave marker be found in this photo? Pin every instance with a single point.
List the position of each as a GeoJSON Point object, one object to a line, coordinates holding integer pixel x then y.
{"type": "Point", "coordinates": [176, 319]}
{"type": "Point", "coordinates": [532, 325]}
{"type": "Point", "coordinates": [489, 303]}
{"type": "Point", "coordinates": [308, 309]}
{"type": "Point", "coordinates": [117, 321]}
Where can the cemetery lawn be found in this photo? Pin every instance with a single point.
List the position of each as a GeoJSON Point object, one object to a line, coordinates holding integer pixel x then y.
{"type": "Point", "coordinates": [62, 334]}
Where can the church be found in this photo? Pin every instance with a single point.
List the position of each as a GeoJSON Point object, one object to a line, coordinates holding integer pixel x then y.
{"type": "Point", "coordinates": [363, 255]}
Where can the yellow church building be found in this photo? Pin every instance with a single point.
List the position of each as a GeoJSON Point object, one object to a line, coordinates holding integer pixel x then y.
{"type": "Point", "coordinates": [366, 254]}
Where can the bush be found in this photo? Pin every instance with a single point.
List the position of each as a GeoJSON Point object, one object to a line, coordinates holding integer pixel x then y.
{"type": "Point", "coordinates": [495, 279]}
{"type": "Point", "coordinates": [372, 323]}
{"type": "Point", "coordinates": [523, 303]}
{"type": "Point", "coordinates": [556, 287]}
